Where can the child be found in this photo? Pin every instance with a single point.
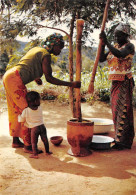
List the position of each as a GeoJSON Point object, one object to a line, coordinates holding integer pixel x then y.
{"type": "Point", "coordinates": [33, 119]}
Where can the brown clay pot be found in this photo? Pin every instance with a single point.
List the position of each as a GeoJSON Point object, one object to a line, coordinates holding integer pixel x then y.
{"type": "Point", "coordinates": [79, 136]}
{"type": "Point", "coordinates": [56, 140]}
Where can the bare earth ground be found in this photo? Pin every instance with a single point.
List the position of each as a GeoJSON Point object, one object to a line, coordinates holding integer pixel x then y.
{"type": "Point", "coordinates": [101, 173]}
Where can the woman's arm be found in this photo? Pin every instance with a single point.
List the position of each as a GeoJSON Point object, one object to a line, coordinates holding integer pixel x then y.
{"type": "Point", "coordinates": [129, 48]}
{"type": "Point", "coordinates": [103, 55]}
{"type": "Point", "coordinates": [47, 70]}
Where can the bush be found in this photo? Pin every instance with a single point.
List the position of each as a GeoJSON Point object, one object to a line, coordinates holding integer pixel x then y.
{"type": "Point", "coordinates": [61, 93]}
{"type": "Point", "coordinates": [104, 95]}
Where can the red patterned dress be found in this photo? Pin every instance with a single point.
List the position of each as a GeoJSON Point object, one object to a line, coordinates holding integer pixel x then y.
{"type": "Point", "coordinates": [121, 97]}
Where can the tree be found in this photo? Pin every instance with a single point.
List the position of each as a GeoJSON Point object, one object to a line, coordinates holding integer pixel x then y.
{"type": "Point", "coordinates": [65, 11]}
{"type": "Point", "coordinates": [4, 59]}
{"type": "Point", "coordinates": [7, 30]}
{"type": "Point", "coordinates": [34, 12]}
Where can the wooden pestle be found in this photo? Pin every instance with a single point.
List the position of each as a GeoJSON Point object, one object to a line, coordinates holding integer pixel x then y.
{"type": "Point", "coordinates": [79, 25]}
{"type": "Point", "coordinates": [91, 85]}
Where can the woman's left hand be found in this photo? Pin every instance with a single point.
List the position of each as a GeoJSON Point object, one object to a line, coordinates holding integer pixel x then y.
{"type": "Point", "coordinates": [76, 84]}
{"type": "Point", "coordinates": [103, 37]}
{"type": "Point", "coordinates": [38, 81]}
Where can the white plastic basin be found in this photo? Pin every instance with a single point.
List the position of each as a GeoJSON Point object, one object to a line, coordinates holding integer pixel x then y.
{"type": "Point", "coordinates": [102, 125]}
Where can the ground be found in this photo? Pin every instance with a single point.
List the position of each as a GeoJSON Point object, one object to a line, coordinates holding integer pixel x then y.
{"type": "Point", "coordinates": [101, 173]}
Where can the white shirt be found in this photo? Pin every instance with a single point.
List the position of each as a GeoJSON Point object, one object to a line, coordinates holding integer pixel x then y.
{"type": "Point", "coordinates": [31, 118]}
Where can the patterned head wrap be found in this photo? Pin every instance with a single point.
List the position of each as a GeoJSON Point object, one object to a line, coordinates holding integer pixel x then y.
{"type": "Point", "coordinates": [125, 28]}
{"type": "Point", "coordinates": [54, 39]}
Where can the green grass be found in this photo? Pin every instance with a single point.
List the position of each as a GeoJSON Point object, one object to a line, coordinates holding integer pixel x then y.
{"type": "Point", "coordinates": [61, 93]}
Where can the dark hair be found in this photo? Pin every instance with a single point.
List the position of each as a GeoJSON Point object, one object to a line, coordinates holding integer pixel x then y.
{"type": "Point", "coordinates": [54, 39]}
{"type": "Point", "coordinates": [32, 96]}
{"type": "Point", "coordinates": [62, 44]}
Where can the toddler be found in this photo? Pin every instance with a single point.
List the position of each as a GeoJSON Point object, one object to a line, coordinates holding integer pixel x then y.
{"type": "Point", "coordinates": [33, 119]}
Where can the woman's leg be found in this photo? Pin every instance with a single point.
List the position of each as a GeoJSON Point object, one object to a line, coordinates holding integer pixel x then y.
{"type": "Point", "coordinates": [122, 110]}
{"type": "Point", "coordinates": [17, 143]}
{"type": "Point", "coordinates": [15, 94]}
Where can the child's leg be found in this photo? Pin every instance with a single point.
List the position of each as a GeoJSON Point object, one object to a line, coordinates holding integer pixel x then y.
{"type": "Point", "coordinates": [44, 139]}
{"type": "Point", "coordinates": [34, 140]}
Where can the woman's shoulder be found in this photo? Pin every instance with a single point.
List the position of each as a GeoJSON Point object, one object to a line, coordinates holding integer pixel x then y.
{"type": "Point", "coordinates": [38, 48]}
{"type": "Point", "coordinates": [130, 46]}
{"type": "Point", "coordinates": [41, 51]}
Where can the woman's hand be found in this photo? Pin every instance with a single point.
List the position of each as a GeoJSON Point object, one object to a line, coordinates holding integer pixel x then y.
{"type": "Point", "coordinates": [38, 81]}
{"type": "Point", "coordinates": [76, 84]}
{"type": "Point", "coordinates": [103, 37]}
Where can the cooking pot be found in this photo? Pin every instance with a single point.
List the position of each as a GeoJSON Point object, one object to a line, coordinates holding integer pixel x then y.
{"type": "Point", "coordinates": [100, 142]}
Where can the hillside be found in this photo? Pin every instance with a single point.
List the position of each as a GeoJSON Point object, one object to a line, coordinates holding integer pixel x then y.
{"type": "Point", "coordinates": [90, 52]}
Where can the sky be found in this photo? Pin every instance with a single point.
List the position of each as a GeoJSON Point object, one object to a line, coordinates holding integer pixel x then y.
{"type": "Point", "coordinates": [44, 32]}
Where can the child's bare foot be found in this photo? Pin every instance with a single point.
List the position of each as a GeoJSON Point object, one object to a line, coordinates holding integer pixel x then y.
{"type": "Point", "coordinates": [28, 149]}
{"type": "Point", "coordinates": [40, 151]}
{"type": "Point", "coordinates": [31, 152]}
{"type": "Point", "coordinates": [48, 153]}
{"type": "Point", "coordinates": [34, 156]}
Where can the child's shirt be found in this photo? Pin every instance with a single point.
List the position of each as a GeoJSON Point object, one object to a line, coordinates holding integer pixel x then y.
{"type": "Point", "coordinates": [31, 118]}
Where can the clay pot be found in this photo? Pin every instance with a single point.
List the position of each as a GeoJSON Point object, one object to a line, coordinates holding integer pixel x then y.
{"type": "Point", "coordinates": [79, 136]}
{"type": "Point", "coordinates": [56, 140]}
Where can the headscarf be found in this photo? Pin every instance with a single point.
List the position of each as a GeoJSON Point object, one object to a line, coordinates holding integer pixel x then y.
{"type": "Point", "coordinates": [125, 28]}
{"type": "Point", "coordinates": [54, 39]}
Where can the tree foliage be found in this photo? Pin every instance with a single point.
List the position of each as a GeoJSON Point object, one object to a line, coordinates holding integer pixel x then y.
{"type": "Point", "coordinates": [59, 12]}
{"type": "Point", "coordinates": [25, 17]}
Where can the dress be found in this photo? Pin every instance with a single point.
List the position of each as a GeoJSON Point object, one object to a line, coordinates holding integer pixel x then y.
{"type": "Point", "coordinates": [28, 69]}
{"type": "Point", "coordinates": [121, 97]}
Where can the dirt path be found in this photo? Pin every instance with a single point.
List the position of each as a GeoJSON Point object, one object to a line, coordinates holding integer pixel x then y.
{"type": "Point", "coordinates": [101, 173]}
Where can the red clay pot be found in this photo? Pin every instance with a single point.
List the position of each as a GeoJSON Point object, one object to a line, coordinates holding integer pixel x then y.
{"type": "Point", "coordinates": [79, 136]}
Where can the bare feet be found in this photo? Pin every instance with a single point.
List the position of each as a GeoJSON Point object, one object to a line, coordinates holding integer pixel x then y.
{"type": "Point", "coordinates": [34, 156]}
{"type": "Point", "coordinates": [48, 153]}
{"type": "Point", "coordinates": [119, 146]}
{"type": "Point", "coordinates": [17, 143]}
{"type": "Point", "coordinates": [28, 149]}
{"type": "Point", "coordinates": [40, 151]}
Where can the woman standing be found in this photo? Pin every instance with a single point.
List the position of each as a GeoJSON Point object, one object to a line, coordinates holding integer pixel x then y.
{"type": "Point", "coordinates": [31, 67]}
{"type": "Point", "coordinates": [119, 59]}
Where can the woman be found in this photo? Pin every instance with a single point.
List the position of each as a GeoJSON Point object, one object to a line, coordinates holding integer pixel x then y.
{"type": "Point", "coordinates": [119, 59]}
{"type": "Point", "coordinates": [31, 67]}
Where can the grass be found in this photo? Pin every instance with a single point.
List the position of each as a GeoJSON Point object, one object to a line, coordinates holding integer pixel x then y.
{"type": "Point", "coordinates": [61, 93]}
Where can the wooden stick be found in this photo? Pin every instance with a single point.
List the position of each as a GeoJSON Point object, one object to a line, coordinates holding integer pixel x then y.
{"type": "Point", "coordinates": [80, 24]}
{"type": "Point", "coordinates": [91, 85]}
